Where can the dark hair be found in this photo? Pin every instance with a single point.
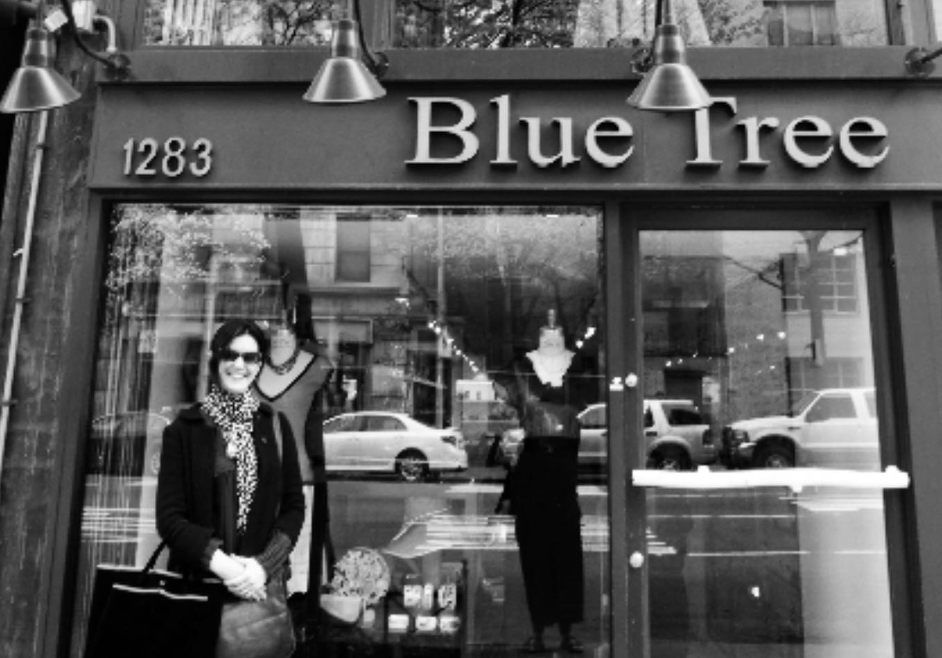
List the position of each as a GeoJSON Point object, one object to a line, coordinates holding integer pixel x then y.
{"type": "Point", "coordinates": [228, 332]}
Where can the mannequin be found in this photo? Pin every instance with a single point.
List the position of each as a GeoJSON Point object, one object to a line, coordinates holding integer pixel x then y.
{"type": "Point", "coordinates": [551, 359]}
{"type": "Point", "coordinates": [541, 490]}
{"type": "Point", "coordinates": [293, 380]}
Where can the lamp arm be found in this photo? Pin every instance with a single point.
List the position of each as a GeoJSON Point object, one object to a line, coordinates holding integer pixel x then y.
{"type": "Point", "coordinates": [116, 62]}
{"type": "Point", "coordinates": [642, 55]}
{"type": "Point", "coordinates": [377, 63]}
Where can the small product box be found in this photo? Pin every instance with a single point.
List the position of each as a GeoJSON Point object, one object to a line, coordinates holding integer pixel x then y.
{"type": "Point", "coordinates": [426, 623]}
{"type": "Point", "coordinates": [398, 623]}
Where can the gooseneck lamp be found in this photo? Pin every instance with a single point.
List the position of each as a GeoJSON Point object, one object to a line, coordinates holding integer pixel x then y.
{"type": "Point", "coordinates": [350, 74]}
{"type": "Point", "coordinates": [35, 85]}
{"type": "Point", "coordinates": [669, 84]}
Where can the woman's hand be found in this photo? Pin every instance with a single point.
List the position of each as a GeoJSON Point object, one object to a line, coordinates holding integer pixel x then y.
{"type": "Point", "coordinates": [250, 584]}
{"type": "Point", "coordinates": [241, 580]}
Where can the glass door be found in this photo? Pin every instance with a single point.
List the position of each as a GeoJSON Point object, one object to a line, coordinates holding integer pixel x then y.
{"type": "Point", "coordinates": [761, 465]}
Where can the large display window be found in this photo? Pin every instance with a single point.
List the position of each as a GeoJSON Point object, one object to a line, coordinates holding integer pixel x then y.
{"type": "Point", "coordinates": [425, 341]}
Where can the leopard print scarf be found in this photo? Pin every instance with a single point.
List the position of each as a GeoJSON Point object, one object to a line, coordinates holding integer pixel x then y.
{"type": "Point", "coordinates": [233, 414]}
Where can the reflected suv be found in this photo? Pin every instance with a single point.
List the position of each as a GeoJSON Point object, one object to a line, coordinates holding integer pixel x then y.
{"type": "Point", "coordinates": [835, 427]}
{"type": "Point", "coordinates": [675, 432]}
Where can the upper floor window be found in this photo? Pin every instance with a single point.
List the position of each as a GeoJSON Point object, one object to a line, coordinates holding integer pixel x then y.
{"type": "Point", "coordinates": [791, 23]}
{"type": "Point", "coordinates": [353, 250]}
{"type": "Point", "coordinates": [490, 24]}
{"type": "Point", "coordinates": [831, 282]}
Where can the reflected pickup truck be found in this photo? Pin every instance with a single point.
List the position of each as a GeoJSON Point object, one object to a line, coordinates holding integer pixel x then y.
{"type": "Point", "coordinates": [834, 428]}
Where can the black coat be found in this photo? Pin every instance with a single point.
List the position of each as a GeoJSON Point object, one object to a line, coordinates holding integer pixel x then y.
{"type": "Point", "coordinates": [186, 519]}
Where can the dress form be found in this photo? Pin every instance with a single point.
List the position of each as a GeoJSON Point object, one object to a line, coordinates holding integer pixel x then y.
{"type": "Point", "coordinates": [292, 381]}
{"type": "Point", "coordinates": [542, 486]}
{"type": "Point", "coordinates": [551, 359]}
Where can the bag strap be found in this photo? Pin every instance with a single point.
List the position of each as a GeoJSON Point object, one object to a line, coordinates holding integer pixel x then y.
{"type": "Point", "coordinates": [278, 439]}
{"type": "Point", "coordinates": [278, 445]}
{"type": "Point", "coordinates": [153, 558]}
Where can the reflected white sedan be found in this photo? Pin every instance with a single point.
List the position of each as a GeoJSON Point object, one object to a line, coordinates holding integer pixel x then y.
{"type": "Point", "coordinates": [389, 442]}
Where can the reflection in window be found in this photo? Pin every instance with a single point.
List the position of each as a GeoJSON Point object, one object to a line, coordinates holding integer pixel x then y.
{"type": "Point", "coordinates": [420, 311]}
{"type": "Point", "coordinates": [518, 23]}
{"type": "Point", "coordinates": [796, 23]}
{"type": "Point", "coordinates": [833, 280]}
{"type": "Point", "coordinates": [804, 374]}
{"type": "Point", "coordinates": [353, 249]}
{"type": "Point", "coordinates": [831, 406]}
{"type": "Point", "coordinates": [721, 326]}
{"type": "Point", "coordinates": [765, 571]}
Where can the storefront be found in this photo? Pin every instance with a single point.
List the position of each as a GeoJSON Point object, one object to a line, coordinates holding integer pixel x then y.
{"type": "Point", "coordinates": [749, 295]}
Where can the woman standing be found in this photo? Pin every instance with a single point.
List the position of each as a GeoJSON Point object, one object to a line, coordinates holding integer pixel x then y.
{"type": "Point", "coordinates": [228, 504]}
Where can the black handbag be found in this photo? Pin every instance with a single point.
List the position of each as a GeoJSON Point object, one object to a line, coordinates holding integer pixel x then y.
{"type": "Point", "coordinates": [150, 613]}
{"type": "Point", "coordinates": [258, 629]}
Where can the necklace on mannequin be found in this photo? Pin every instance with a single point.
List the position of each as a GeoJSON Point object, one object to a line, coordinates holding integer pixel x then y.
{"type": "Point", "coordinates": [285, 366]}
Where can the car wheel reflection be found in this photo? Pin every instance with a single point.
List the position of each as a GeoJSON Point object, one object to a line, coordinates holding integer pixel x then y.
{"type": "Point", "coordinates": [412, 466]}
{"type": "Point", "coordinates": [670, 459]}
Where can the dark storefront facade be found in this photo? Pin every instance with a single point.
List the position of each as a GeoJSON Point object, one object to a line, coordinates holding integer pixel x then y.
{"type": "Point", "coordinates": [751, 295]}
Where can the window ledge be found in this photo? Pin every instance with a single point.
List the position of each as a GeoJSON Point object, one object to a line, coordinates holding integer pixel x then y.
{"type": "Point", "coordinates": [794, 478]}
{"type": "Point", "coordinates": [163, 65]}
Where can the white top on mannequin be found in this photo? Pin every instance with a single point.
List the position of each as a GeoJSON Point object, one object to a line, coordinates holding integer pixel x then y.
{"type": "Point", "coordinates": [551, 359]}
{"type": "Point", "coordinates": [285, 360]}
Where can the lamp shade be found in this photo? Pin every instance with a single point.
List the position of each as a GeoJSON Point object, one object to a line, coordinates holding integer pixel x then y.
{"type": "Point", "coordinates": [670, 85]}
{"type": "Point", "coordinates": [343, 77]}
{"type": "Point", "coordinates": [36, 85]}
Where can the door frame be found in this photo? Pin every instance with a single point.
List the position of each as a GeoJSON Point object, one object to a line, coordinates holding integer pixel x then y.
{"type": "Point", "coordinates": [623, 225]}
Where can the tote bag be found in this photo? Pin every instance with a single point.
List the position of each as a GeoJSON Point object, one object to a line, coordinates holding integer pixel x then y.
{"type": "Point", "coordinates": [150, 613]}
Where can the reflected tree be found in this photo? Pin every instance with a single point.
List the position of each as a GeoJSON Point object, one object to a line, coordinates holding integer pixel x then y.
{"type": "Point", "coordinates": [503, 270]}
{"type": "Point", "coordinates": [486, 24]}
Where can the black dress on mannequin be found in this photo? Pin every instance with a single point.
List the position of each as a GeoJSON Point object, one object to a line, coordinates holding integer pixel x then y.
{"type": "Point", "coordinates": [542, 493]}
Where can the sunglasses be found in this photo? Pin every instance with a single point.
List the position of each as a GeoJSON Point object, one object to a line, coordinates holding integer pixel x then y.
{"type": "Point", "coordinates": [249, 358]}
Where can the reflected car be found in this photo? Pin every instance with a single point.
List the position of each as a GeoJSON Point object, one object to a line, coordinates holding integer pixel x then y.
{"type": "Point", "coordinates": [834, 427]}
{"type": "Point", "coordinates": [677, 435]}
{"type": "Point", "coordinates": [390, 442]}
{"type": "Point", "coordinates": [126, 444]}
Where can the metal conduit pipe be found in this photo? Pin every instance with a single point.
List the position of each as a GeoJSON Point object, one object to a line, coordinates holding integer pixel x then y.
{"type": "Point", "coordinates": [6, 401]}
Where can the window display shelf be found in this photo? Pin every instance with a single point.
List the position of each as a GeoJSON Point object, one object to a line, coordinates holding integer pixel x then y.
{"type": "Point", "coordinates": [794, 478]}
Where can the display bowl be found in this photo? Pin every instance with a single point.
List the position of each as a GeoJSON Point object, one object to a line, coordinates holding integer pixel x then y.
{"type": "Point", "coordinates": [345, 608]}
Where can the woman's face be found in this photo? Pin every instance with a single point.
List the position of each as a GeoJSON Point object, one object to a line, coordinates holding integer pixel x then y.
{"type": "Point", "coordinates": [239, 364]}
